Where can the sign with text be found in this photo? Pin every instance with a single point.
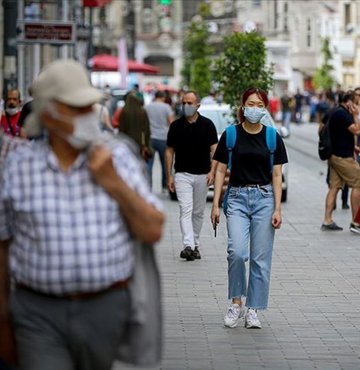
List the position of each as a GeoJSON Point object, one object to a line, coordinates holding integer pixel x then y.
{"type": "Point", "coordinates": [61, 33]}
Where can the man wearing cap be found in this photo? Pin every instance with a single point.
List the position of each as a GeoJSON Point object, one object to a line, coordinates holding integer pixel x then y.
{"type": "Point", "coordinates": [70, 211]}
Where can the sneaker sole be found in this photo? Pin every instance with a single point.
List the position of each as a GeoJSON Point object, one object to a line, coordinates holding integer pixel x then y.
{"type": "Point", "coordinates": [248, 326]}
{"type": "Point", "coordinates": [231, 326]}
{"type": "Point", "coordinates": [355, 231]}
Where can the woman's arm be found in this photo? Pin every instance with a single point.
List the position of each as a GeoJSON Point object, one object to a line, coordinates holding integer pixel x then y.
{"type": "Point", "coordinates": [218, 184]}
{"type": "Point", "coordinates": [277, 189]}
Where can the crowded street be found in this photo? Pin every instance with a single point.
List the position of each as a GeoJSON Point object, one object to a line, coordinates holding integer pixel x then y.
{"type": "Point", "coordinates": [313, 319]}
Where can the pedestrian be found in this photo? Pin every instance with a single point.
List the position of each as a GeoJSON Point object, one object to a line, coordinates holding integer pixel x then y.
{"type": "Point", "coordinates": [134, 122]}
{"type": "Point", "coordinates": [71, 211]}
{"type": "Point", "coordinates": [299, 103]}
{"type": "Point", "coordinates": [286, 112]}
{"type": "Point", "coordinates": [343, 125]}
{"type": "Point", "coordinates": [324, 120]}
{"type": "Point", "coordinates": [104, 116]}
{"type": "Point", "coordinates": [253, 208]}
{"type": "Point", "coordinates": [26, 109]}
{"type": "Point", "coordinates": [10, 117]}
{"type": "Point", "coordinates": [210, 98]}
{"type": "Point", "coordinates": [192, 139]}
{"type": "Point", "coordinates": [160, 116]}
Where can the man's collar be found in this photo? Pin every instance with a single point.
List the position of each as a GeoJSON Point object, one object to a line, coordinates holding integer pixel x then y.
{"type": "Point", "coordinates": [193, 120]}
{"type": "Point", "coordinates": [53, 163]}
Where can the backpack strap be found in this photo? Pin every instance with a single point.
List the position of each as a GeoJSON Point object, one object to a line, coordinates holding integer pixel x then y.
{"type": "Point", "coordinates": [271, 143]}
{"type": "Point", "coordinates": [230, 141]}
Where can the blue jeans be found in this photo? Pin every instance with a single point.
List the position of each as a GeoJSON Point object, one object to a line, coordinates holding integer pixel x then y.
{"type": "Point", "coordinates": [248, 217]}
{"type": "Point", "coordinates": [158, 146]}
{"type": "Point", "coordinates": [286, 118]}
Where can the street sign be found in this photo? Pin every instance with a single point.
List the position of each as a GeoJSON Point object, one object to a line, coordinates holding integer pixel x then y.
{"type": "Point", "coordinates": [95, 3]}
{"type": "Point", "coordinates": [43, 32]}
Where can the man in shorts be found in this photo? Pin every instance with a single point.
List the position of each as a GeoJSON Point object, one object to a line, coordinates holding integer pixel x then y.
{"type": "Point", "coordinates": [344, 169]}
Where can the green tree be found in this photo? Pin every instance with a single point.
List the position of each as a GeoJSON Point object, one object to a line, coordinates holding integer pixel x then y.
{"type": "Point", "coordinates": [242, 65]}
{"type": "Point", "coordinates": [196, 72]}
{"type": "Point", "coordinates": [323, 77]}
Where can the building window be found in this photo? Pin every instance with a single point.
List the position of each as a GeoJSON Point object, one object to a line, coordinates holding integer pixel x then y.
{"type": "Point", "coordinates": [165, 63]}
{"type": "Point", "coordinates": [256, 3]}
{"type": "Point", "coordinates": [286, 17]}
{"type": "Point", "coordinates": [275, 14]}
{"type": "Point", "coordinates": [347, 14]}
{"type": "Point", "coordinates": [308, 33]}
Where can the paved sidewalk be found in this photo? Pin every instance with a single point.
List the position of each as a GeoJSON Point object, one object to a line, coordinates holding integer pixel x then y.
{"type": "Point", "coordinates": [313, 320]}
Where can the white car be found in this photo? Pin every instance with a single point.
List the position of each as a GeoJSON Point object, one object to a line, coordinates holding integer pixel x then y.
{"type": "Point", "coordinates": [221, 115]}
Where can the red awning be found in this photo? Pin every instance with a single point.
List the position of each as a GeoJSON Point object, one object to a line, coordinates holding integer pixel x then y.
{"type": "Point", "coordinates": [109, 63]}
{"type": "Point", "coordinates": [95, 3]}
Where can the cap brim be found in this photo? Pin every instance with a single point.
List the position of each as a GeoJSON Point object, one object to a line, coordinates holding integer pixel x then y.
{"type": "Point", "coordinates": [82, 97]}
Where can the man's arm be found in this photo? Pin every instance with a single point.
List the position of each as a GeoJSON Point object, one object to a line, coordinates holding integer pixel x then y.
{"type": "Point", "coordinates": [7, 341]}
{"type": "Point", "coordinates": [170, 118]}
{"type": "Point", "coordinates": [355, 127]}
{"type": "Point", "coordinates": [211, 174]}
{"type": "Point", "coordinates": [143, 219]}
{"type": "Point", "coordinates": [169, 159]}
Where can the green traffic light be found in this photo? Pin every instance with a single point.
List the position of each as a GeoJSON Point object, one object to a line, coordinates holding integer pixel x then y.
{"type": "Point", "coordinates": [165, 2]}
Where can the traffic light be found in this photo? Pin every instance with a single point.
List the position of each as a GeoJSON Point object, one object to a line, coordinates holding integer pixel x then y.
{"type": "Point", "coordinates": [165, 2]}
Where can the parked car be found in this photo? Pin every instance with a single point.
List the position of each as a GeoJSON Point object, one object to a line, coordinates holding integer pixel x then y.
{"type": "Point", "coordinates": [221, 116]}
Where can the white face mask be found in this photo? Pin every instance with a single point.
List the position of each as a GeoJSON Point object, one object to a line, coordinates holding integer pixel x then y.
{"type": "Point", "coordinates": [254, 114]}
{"type": "Point", "coordinates": [11, 111]}
{"type": "Point", "coordinates": [86, 128]}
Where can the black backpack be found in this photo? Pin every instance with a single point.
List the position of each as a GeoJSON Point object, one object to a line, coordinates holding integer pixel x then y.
{"type": "Point", "coordinates": [324, 146]}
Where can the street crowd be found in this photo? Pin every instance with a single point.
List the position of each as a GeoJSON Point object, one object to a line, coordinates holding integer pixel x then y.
{"type": "Point", "coordinates": [79, 285]}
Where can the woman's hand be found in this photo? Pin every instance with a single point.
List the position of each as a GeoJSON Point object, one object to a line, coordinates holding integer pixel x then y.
{"type": "Point", "coordinates": [276, 220]}
{"type": "Point", "coordinates": [215, 215]}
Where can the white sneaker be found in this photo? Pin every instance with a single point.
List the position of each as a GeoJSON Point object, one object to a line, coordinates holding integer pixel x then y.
{"type": "Point", "coordinates": [251, 320]}
{"type": "Point", "coordinates": [354, 228]}
{"type": "Point", "coordinates": [233, 314]}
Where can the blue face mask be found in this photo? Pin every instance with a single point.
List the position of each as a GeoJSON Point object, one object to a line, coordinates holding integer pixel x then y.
{"type": "Point", "coordinates": [254, 114]}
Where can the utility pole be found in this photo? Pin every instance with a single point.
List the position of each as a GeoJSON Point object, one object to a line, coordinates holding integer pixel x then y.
{"type": "Point", "coordinates": [10, 47]}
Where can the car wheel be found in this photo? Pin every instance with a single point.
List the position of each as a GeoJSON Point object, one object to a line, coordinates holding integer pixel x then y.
{"type": "Point", "coordinates": [284, 195]}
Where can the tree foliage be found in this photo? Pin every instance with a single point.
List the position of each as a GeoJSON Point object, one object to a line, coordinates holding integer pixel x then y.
{"type": "Point", "coordinates": [196, 71]}
{"type": "Point", "coordinates": [242, 65]}
{"type": "Point", "coordinates": [323, 76]}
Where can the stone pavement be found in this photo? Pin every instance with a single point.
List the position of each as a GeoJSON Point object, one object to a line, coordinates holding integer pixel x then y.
{"type": "Point", "coordinates": [313, 319]}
